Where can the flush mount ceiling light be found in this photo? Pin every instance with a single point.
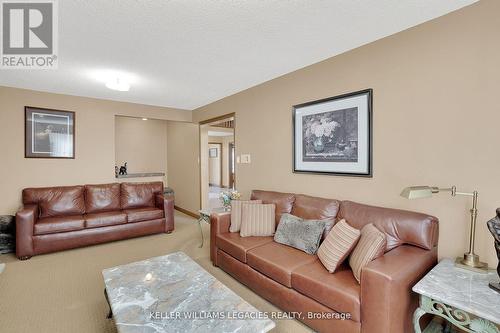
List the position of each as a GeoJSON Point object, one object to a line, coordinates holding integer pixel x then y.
{"type": "Point", "coordinates": [117, 83]}
{"type": "Point", "coordinates": [114, 79]}
{"type": "Point", "coordinates": [144, 118]}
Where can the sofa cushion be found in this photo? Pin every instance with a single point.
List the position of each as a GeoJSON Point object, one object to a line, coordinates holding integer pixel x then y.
{"type": "Point", "coordinates": [102, 198]}
{"type": "Point", "coordinates": [51, 225]}
{"type": "Point", "coordinates": [56, 201]}
{"type": "Point", "coordinates": [235, 245]}
{"type": "Point", "coordinates": [96, 220]}
{"type": "Point", "coordinates": [137, 195]}
{"type": "Point", "coordinates": [314, 208]}
{"type": "Point", "coordinates": [371, 245]}
{"type": "Point", "coordinates": [301, 234]}
{"type": "Point", "coordinates": [283, 201]}
{"type": "Point", "coordinates": [143, 214]}
{"type": "Point", "coordinates": [338, 245]}
{"type": "Point", "coordinates": [277, 261]}
{"type": "Point", "coordinates": [236, 206]}
{"type": "Point", "coordinates": [338, 291]}
{"type": "Point", "coordinates": [257, 220]}
{"type": "Point", "coordinates": [400, 226]}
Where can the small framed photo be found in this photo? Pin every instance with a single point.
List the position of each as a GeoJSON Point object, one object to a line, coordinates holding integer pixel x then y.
{"type": "Point", "coordinates": [333, 136]}
{"type": "Point", "coordinates": [49, 133]}
{"type": "Point", "coordinates": [212, 152]}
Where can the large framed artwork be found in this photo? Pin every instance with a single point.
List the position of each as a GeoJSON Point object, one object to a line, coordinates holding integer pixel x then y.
{"type": "Point", "coordinates": [49, 133]}
{"type": "Point", "coordinates": [334, 135]}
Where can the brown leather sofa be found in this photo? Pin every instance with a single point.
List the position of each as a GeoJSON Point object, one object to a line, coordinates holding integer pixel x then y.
{"type": "Point", "coordinates": [66, 217]}
{"type": "Point", "coordinates": [295, 281]}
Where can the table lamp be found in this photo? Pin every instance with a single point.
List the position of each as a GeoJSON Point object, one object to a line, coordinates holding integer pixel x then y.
{"type": "Point", "coordinates": [470, 260]}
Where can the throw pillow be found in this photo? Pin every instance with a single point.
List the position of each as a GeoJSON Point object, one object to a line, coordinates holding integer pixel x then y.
{"type": "Point", "coordinates": [236, 213]}
{"type": "Point", "coordinates": [257, 220]}
{"type": "Point", "coordinates": [338, 245]}
{"type": "Point", "coordinates": [301, 234]}
{"type": "Point", "coordinates": [371, 245]}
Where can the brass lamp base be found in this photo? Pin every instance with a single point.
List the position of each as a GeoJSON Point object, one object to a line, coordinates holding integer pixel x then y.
{"type": "Point", "coordinates": [471, 262]}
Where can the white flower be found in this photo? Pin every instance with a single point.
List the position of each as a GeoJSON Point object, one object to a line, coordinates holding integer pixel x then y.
{"type": "Point", "coordinates": [319, 130]}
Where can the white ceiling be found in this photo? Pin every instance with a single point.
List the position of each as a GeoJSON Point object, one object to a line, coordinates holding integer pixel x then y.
{"type": "Point", "coordinates": [188, 53]}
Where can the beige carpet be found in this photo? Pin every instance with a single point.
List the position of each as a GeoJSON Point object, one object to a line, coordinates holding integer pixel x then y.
{"type": "Point", "coordinates": [63, 291]}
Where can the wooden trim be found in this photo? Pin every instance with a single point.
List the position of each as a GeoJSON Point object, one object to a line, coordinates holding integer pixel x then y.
{"type": "Point", "coordinates": [231, 171]}
{"type": "Point", "coordinates": [187, 212]}
{"type": "Point", "coordinates": [211, 120]}
{"type": "Point", "coordinates": [205, 122]}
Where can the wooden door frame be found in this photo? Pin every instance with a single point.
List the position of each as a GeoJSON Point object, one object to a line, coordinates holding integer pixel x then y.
{"type": "Point", "coordinates": [206, 122]}
{"type": "Point", "coordinates": [232, 180]}
{"type": "Point", "coordinates": [221, 150]}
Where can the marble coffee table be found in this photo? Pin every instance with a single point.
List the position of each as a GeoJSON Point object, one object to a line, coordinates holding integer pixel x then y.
{"type": "Point", "coordinates": [173, 293]}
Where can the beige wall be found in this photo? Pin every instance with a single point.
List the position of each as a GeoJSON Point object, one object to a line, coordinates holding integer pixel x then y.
{"type": "Point", "coordinates": [182, 164]}
{"type": "Point", "coordinates": [142, 144]}
{"type": "Point", "coordinates": [436, 118]}
{"type": "Point", "coordinates": [95, 137]}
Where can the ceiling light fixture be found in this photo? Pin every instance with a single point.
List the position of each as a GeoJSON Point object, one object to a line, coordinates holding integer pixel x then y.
{"type": "Point", "coordinates": [118, 84]}
{"type": "Point", "coordinates": [144, 118]}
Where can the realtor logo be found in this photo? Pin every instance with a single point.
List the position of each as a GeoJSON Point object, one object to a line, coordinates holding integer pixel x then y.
{"type": "Point", "coordinates": [29, 34]}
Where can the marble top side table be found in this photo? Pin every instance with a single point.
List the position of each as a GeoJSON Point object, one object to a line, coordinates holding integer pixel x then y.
{"type": "Point", "coordinates": [461, 297]}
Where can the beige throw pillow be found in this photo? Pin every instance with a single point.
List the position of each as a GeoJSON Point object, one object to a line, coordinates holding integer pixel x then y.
{"type": "Point", "coordinates": [257, 220]}
{"type": "Point", "coordinates": [236, 213]}
{"type": "Point", "coordinates": [339, 243]}
{"type": "Point", "coordinates": [371, 245]}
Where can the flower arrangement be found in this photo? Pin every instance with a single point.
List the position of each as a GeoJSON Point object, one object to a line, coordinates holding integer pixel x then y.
{"type": "Point", "coordinates": [226, 197]}
{"type": "Point", "coordinates": [324, 128]}
{"type": "Point", "coordinates": [320, 132]}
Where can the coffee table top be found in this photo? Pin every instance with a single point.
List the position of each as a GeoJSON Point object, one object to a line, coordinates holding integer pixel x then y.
{"type": "Point", "coordinates": [173, 293]}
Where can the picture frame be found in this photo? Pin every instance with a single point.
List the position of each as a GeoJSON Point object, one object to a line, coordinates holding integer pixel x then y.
{"type": "Point", "coordinates": [49, 133]}
{"type": "Point", "coordinates": [333, 136]}
{"type": "Point", "coordinates": [212, 152]}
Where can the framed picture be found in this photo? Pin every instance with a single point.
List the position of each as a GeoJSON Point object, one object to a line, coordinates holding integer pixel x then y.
{"type": "Point", "coordinates": [212, 152]}
{"type": "Point", "coordinates": [334, 135]}
{"type": "Point", "coordinates": [49, 133]}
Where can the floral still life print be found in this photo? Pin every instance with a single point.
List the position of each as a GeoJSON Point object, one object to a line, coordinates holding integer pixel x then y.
{"type": "Point", "coordinates": [334, 135]}
{"type": "Point", "coordinates": [331, 136]}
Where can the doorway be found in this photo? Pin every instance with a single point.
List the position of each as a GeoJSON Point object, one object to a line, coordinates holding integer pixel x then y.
{"type": "Point", "coordinates": [217, 159]}
{"type": "Point", "coordinates": [215, 174]}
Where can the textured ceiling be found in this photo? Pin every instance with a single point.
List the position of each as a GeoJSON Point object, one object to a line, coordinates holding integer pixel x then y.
{"type": "Point", "coordinates": [188, 53]}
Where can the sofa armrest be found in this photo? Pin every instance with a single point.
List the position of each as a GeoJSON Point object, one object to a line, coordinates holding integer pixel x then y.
{"type": "Point", "coordinates": [25, 223]}
{"type": "Point", "coordinates": [219, 223]}
{"type": "Point", "coordinates": [167, 204]}
{"type": "Point", "coordinates": [387, 301]}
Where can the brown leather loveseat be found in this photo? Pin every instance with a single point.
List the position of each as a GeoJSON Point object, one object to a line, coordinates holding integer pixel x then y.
{"type": "Point", "coordinates": [297, 282]}
{"type": "Point", "coordinates": [65, 217]}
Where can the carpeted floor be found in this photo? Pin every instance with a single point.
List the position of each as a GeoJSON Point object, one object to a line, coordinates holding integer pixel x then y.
{"type": "Point", "coordinates": [63, 292]}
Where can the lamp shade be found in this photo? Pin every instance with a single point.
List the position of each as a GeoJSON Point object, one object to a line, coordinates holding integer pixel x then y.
{"type": "Point", "coordinates": [417, 192]}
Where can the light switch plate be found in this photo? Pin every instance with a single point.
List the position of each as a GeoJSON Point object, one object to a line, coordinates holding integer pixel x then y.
{"type": "Point", "coordinates": [238, 159]}
{"type": "Point", "coordinates": [245, 158]}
